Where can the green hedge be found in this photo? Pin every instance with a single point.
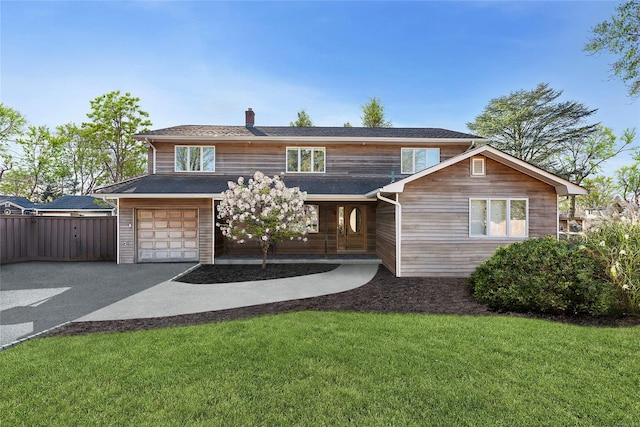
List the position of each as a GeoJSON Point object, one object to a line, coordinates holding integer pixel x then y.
{"type": "Point", "coordinates": [544, 276]}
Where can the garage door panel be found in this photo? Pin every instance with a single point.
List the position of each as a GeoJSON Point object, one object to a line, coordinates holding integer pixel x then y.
{"type": "Point", "coordinates": [167, 235]}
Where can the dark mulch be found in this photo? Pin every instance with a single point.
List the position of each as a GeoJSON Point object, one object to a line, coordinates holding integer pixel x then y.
{"type": "Point", "coordinates": [383, 294]}
{"type": "Point", "coordinates": [244, 273]}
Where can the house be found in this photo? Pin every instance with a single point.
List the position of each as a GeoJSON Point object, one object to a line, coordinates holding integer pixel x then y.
{"type": "Point", "coordinates": [425, 201]}
{"type": "Point", "coordinates": [16, 205]}
{"type": "Point", "coordinates": [69, 205]}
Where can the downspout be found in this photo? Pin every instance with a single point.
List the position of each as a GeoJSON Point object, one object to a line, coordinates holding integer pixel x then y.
{"type": "Point", "coordinates": [213, 227]}
{"type": "Point", "coordinates": [153, 157]}
{"type": "Point", "coordinates": [398, 230]}
{"type": "Point", "coordinates": [118, 226]}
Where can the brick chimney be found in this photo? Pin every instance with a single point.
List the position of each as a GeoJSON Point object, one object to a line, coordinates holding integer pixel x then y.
{"type": "Point", "coordinates": [250, 118]}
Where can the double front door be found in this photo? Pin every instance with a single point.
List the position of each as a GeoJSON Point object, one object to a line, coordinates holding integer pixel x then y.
{"type": "Point", "coordinates": [352, 228]}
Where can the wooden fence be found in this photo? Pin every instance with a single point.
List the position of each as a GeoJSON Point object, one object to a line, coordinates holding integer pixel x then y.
{"type": "Point", "coordinates": [42, 238]}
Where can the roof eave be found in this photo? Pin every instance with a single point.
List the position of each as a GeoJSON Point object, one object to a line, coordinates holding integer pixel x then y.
{"type": "Point", "coordinates": [300, 139]}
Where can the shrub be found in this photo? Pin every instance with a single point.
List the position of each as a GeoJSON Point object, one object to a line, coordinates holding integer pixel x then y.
{"type": "Point", "coordinates": [543, 276]}
{"type": "Point", "coordinates": [617, 243]}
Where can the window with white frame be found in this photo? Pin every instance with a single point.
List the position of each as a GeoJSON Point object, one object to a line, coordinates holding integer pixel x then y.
{"type": "Point", "coordinates": [195, 159]}
{"type": "Point", "coordinates": [306, 159]}
{"type": "Point", "coordinates": [416, 159]}
{"type": "Point", "coordinates": [477, 166]}
{"type": "Point", "coordinates": [498, 217]}
{"type": "Point", "coordinates": [313, 218]}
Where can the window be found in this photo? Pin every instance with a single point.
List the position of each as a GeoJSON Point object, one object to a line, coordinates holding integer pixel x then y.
{"type": "Point", "coordinates": [313, 220]}
{"type": "Point", "coordinates": [416, 159]}
{"type": "Point", "coordinates": [477, 166]}
{"type": "Point", "coordinates": [498, 217]}
{"type": "Point", "coordinates": [306, 159]}
{"type": "Point", "coordinates": [195, 159]}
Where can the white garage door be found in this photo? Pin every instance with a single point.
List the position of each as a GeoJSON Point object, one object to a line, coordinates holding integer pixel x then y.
{"type": "Point", "coordinates": [167, 235]}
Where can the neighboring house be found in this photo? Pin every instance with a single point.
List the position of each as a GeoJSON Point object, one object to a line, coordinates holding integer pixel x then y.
{"type": "Point", "coordinates": [16, 205]}
{"type": "Point", "coordinates": [426, 201]}
{"type": "Point", "coordinates": [76, 206]}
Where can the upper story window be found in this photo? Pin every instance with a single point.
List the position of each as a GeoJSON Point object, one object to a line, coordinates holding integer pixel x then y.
{"type": "Point", "coordinates": [195, 159]}
{"type": "Point", "coordinates": [416, 159]}
{"type": "Point", "coordinates": [306, 159]}
{"type": "Point", "coordinates": [498, 218]}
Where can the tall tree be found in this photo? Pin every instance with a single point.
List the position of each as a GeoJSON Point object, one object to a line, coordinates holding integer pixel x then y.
{"type": "Point", "coordinates": [303, 120]}
{"type": "Point", "coordinates": [373, 114]}
{"type": "Point", "coordinates": [11, 127]}
{"type": "Point", "coordinates": [581, 158]}
{"type": "Point", "coordinates": [621, 37]}
{"type": "Point", "coordinates": [628, 180]}
{"type": "Point", "coordinates": [532, 125]}
{"type": "Point", "coordinates": [114, 119]}
{"type": "Point", "coordinates": [83, 167]}
{"type": "Point", "coordinates": [39, 164]}
{"type": "Point", "coordinates": [602, 190]}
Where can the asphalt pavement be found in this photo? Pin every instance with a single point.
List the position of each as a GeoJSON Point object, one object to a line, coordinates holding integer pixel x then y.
{"type": "Point", "coordinates": [38, 296]}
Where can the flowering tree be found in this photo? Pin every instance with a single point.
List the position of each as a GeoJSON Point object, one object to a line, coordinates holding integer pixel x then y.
{"type": "Point", "coordinates": [264, 210]}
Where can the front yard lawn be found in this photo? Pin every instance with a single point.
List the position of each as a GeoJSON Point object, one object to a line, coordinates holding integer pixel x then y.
{"type": "Point", "coordinates": [330, 368]}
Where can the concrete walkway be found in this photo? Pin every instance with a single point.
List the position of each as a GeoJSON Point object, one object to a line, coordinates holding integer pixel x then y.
{"type": "Point", "coordinates": [174, 298]}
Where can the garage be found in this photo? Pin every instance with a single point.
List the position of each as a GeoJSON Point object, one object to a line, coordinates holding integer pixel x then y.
{"type": "Point", "coordinates": [169, 235]}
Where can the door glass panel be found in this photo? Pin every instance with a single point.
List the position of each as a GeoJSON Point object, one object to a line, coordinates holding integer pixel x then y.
{"type": "Point", "coordinates": [355, 220]}
{"type": "Point", "coordinates": [341, 220]}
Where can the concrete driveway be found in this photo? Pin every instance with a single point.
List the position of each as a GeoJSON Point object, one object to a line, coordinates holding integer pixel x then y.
{"type": "Point", "coordinates": [37, 296]}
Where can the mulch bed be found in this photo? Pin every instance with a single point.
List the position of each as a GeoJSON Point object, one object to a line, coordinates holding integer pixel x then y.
{"type": "Point", "coordinates": [385, 293]}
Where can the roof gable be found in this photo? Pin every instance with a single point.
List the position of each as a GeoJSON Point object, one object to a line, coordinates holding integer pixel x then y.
{"type": "Point", "coordinates": [562, 186]}
{"type": "Point", "coordinates": [18, 201]}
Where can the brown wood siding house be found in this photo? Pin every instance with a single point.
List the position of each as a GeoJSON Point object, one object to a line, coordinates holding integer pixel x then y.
{"type": "Point", "coordinates": [413, 197]}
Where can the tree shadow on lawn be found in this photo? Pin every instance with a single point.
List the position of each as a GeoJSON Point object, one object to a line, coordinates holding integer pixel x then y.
{"type": "Point", "coordinates": [385, 293]}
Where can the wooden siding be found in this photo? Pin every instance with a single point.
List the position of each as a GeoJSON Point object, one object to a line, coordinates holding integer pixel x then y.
{"type": "Point", "coordinates": [435, 217]}
{"type": "Point", "coordinates": [127, 224]}
{"type": "Point", "coordinates": [386, 235]}
{"type": "Point", "coordinates": [322, 243]}
{"type": "Point", "coordinates": [341, 159]}
{"type": "Point", "coordinates": [31, 238]}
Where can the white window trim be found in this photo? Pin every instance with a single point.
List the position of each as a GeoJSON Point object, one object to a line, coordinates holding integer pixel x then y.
{"type": "Point", "coordinates": [313, 151]}
{"type": "Point", "coordinates": [473, 168]}
{"type": "Point", "coordinates": [413, 158]}
{"type": "Point", "coordinates": [488, 216]}
{"type": "Point", "coordinates": [201, 147]}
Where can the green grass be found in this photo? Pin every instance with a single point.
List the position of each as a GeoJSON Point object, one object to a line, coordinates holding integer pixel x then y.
{"type": "Point", "coordinates": [319, 368]}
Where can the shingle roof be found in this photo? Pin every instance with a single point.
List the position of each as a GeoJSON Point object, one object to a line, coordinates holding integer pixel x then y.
{"type": "Point", "coordinates": [164, 184]}
{"type": "Point", "coordinates": [23, 202]}
{"type": "Point", "coordinates": [209, 131]}
{"type": "Point", "coordinates": [69, 202]}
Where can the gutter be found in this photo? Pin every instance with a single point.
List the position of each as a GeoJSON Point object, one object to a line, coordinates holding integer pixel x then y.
{"type": "Point", "coordinates": [398, 230]}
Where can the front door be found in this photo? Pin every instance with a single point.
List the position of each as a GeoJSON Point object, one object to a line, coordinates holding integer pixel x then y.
{"type": "Point", "coordinates": [352, 228]}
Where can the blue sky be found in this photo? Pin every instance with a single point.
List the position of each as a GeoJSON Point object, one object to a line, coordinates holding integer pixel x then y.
{"type": "Point", "coordinates": [433, 64]}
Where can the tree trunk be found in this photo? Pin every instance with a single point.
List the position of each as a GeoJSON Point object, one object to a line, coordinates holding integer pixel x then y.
{"type": "Point", "coordinates": [572, 207]}
{"type": "Point", "coordinates": [265, 249]}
